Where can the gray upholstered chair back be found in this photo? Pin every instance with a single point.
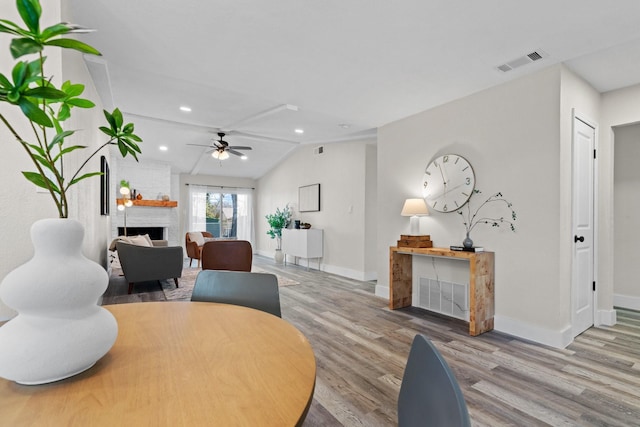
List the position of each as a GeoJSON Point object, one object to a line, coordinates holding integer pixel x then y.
{"type": "Point", "coordinates": [430, 394]}
{"type": "Point", "coordinates": [254, 290]}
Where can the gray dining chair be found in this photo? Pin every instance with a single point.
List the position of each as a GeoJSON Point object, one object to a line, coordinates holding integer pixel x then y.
{"type": "Point", "coordinates": [254, 290]}
{"type": "Point", "coordinates": [429, 393]}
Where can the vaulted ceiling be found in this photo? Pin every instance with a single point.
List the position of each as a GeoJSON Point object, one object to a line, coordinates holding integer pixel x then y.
{"type": "Point", "coordinates": [336, 69]}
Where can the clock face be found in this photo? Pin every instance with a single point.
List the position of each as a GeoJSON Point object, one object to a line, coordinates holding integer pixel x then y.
{"type": "Point", "coordinates": [448, 183]}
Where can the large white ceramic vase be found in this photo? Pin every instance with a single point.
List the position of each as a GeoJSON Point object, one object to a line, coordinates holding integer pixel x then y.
{"type": "Point", "coordinates": [60, 329]}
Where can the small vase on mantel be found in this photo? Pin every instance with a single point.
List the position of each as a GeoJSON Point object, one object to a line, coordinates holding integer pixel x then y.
{"type": "Point", "coordinates": [467, 242]}
{"type": "Point", "coordinates": [60, 330]}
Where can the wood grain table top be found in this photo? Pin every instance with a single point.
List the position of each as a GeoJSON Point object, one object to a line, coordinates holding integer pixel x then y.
{"type": "Point", "coordinates": [179, 364]}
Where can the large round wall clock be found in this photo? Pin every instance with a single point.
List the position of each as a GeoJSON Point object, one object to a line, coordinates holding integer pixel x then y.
{"type": "Point", "coordinates": [448, 183]}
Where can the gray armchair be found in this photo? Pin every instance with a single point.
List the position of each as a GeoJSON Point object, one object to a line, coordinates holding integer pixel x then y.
{"type": "Point", "coordinates": [142, 263]}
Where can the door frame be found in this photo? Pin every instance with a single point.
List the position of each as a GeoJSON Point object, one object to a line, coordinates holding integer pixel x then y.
{"type": "Point", "coordinates": [576, 115]}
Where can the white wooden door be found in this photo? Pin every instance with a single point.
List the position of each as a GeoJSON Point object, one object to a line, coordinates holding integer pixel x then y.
{"type": "Point", "coordinates": [582, 292]}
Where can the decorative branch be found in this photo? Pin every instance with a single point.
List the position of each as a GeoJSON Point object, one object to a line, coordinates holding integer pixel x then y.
{"type": "Point", "coordinates": [470, 220]}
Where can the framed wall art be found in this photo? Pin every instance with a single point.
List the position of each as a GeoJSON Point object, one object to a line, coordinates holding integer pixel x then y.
{"type": "Point", "coordinates": [104, 186]}
{"type": "Point", "coordinates": [309, 198]}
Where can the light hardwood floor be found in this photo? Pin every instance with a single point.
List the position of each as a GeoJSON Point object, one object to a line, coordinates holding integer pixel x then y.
{"type": "Point", "coordinates": [361, 349]}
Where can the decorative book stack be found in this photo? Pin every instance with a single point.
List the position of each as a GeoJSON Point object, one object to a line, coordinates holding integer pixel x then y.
{"type": "Point", "coordinates": [413, 241]}
{"type": "Point", "coordinates": [471, 249]}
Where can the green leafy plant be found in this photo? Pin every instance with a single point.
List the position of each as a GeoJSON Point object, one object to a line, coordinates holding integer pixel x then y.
{"type": "Point", "coordinates": [470, 220]}
{"type": "Point", "coordinates": [277, 222]}
{"type": "Point", "coordinates": [47, 107]}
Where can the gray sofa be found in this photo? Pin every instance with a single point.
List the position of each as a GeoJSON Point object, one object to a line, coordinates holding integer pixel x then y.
{"type": "Point", "coordinates": [142, 263]}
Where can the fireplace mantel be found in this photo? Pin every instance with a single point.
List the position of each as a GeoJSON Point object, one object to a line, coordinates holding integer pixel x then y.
{"type": "Point", "coordinates": [152, 203]}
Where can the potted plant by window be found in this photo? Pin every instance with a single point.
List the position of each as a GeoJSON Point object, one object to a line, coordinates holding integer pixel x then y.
{"type": "Point", "coordinates": [59, 330]}
{"type": "Point", "coordinates": [277, 222]}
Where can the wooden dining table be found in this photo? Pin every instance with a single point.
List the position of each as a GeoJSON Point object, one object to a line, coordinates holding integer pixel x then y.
{"type": "Point", "coordinates": [180, 364]}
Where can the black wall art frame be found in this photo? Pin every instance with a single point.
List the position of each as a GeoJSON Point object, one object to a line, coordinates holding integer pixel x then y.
{"type": "Point", "coordinates": [309, 198]}
{"type": "Point", "coordinates": [104, 186]}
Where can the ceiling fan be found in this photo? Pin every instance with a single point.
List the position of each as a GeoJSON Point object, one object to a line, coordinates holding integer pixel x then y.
{"type": "Point", "coordinates": [220, 149]}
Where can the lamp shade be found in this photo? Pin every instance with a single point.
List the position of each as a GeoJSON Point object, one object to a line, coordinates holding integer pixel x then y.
{"type": "Point", "coordinates": [414, 207]}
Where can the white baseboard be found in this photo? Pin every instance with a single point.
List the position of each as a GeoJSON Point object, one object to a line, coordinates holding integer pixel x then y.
{"type": "Point", "coordinates": [520, 329]}
{"type": "Point", "coordinates": [313, 265]}
{"type": "Point", "coordinates": [626, 301]}
{"type": "Point", "coordinates": [606, 317]}
{"type": "Point", "coordinates": [382, 291]}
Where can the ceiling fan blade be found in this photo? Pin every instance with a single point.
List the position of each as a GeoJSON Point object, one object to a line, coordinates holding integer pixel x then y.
{"type": "Point", "coordinates": [200, 145]}
{"type": "Point", "coordinates": [237, 153]}
{"type": "Point", "coordinates": [238, 147]}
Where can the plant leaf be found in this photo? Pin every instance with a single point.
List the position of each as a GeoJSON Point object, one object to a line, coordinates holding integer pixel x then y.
{"type": "Point", "coordinates": [34, 113]}
{"type": "Point", "coordinates": [112, 122]}
{"type": "Point", "coordinates": [60, 137]}
{"type": "Point", "coordinates": [37, 149]}
{"type": "Point", "coordinates": [73, 44]}
{"type": "Point", "coordinates": [85, 176]}
{"type": "Point", "coordinates": [72, 90]}
{"type": "Point", "coordinates": [10, 28]}
{"type": "Point", "coordinates": [67, 150]}
{"type": "Point", "coordinates": [64, 112]}
{"type": "Point", "coordinates": [55, 30]}
{"type": "Point", "coordinates": [24, 46]}
{"type": "Point", "coordinates": [40, 180]}
{"type": "Point", "coordinates": [30, 11]}
{"type": "Point", "coordinates": [19, 73]}
{"type": "Point", "coordinates": [44, 93]}
{"type": "Point", "coordinates": [5, 82]}
{"type": "Point", "coordinates": [117, 117]}
{"type": "Point", "coordinates": [107, 130]}
{"type": "Point", "coordinates": [128, 128]}
{"type": "Point", "coordinates": [81, 103]}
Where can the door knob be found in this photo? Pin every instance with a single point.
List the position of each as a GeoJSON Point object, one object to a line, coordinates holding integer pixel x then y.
{"type": "Point", "coordinates": [578, 239]}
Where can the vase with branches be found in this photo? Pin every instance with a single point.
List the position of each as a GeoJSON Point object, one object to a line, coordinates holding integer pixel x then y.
{"type": "Point", "coordinates": [471, 219]}
{"type": "Point", "coordinates": [277, 221]}
{"type": "Point", "coordinates": [60, 330]}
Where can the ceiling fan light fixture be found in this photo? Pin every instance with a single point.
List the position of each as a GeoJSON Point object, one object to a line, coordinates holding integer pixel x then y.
{"type": "Point", "coordinates": [220, 154]}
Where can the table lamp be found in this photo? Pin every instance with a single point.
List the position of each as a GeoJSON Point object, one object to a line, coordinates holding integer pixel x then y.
{"type": "Point", "coordinates": [414, 208]}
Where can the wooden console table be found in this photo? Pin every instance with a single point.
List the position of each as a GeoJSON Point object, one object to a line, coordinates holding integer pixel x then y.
{"type": "Point", "coordinates": [481, 282]}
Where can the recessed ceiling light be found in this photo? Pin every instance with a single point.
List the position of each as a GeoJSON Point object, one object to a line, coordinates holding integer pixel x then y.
{"type": "Point", "coordinates": [163, 148]}
{"type": "Point", "coordinates": [244, 157]}
{"type": "Point", "coordinates": [344, 125]}
{"type": "Point", "coordinates": [299, 131]}
{"type": "Point", "coordinates": [185, 109]}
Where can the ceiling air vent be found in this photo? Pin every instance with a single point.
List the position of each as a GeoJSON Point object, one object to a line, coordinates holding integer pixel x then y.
{"type": "Point", "coordinates": [318, 150]}
{"type": "Point", "coordinates": [523, 60]}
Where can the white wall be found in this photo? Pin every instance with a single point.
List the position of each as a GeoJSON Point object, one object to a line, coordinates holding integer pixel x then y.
{"type": "Point", "coordinates": [343, 173]}
{"type": "Point", "coordinates": [511, 134]}
{"type": "Point", "coordinates": [626, 208]}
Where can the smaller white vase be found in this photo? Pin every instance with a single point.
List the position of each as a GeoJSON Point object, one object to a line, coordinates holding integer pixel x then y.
{"type": "Point", "coordinates": [279, 256]}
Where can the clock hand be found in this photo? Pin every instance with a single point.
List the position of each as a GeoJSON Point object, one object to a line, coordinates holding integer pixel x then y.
{"type": "Point", "coordinates": [448, 190]}
{"type": "Point", "coordinates": [444, 181]}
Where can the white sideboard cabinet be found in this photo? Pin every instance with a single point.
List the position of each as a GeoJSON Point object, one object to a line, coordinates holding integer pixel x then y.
{"type": "Point", "coordinates": [301, 243]}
